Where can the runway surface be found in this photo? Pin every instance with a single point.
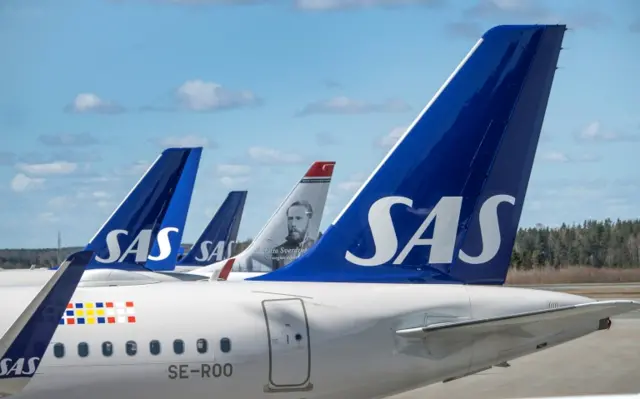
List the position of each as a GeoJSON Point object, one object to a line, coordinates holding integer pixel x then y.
{"type": "Point", "coordinates": [605, 362]}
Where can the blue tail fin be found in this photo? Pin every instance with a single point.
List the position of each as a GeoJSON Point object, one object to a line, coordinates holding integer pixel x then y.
{"type": "Point", "coordinates": [445, 203]}
{"type": "Point", "coordinates": [216, 242]}
{"type": "Point", "coordinates": [25, 343]}
{"type": "Point", "coordinates": [164, 254]}
{"type": "Point", "coordinates": [159, 199]}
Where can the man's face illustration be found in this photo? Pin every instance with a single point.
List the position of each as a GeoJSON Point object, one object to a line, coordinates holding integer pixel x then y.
{"type": "Point", "coordinates": [297, 222]}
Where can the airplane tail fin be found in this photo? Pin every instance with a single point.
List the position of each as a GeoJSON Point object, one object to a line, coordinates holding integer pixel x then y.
{"type": "Point", "coordinates": [445, 203]}
{"type": "Point", "coordinates": [154, 212]}
{"type": "Point", "coordinates": [25, 343]}
{"type": "Point", "coordinates": [291, 230]}
{"type": "Point", "coordinates": [217, 239]}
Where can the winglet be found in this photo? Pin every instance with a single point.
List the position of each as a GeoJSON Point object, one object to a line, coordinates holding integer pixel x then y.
{"type": "Point", "coordinates": [25, 343]}
{"type": "Point", "coordinates": [224, 272]}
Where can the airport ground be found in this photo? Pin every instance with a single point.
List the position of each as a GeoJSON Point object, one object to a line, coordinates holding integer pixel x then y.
{"type": "Point", "coordinates": [605, 362]}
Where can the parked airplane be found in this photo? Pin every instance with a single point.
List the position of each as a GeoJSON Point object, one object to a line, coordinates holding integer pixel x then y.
{"type": "Point", "coordinates": [290, 231]}
{"type": "Point", "coordinates": [299, 227]}
{"type": "Point", "coordinates": [364, 336]}
{"type": "Point", "coordinates": [154, 211]}
{"type": "Point", "coordinates": [216, 241]}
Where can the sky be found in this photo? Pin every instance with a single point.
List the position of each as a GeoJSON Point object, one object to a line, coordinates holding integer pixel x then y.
{"type": "Point", "coordinates": [93, 90]}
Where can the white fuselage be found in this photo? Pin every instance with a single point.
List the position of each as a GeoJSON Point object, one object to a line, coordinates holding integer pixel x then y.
{"type": "Point", "coordinates": [281, 340]}
{"type": "Point", "coordinates": [108, 277]}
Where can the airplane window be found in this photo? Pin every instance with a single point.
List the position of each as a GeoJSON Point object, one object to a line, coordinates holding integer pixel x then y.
{"type": "Point", "coordinates": [83, 349]}
{"type": "Point", "coordinates": [131, 348]}
{"type": "Point", "coordinates": [178, 346]}
{"type": "Point", "coordinates": [154, 347]}
{"type": "Point", "coordinates": [58, 350]}
{"type": "Point", "coordinates": [202, 345]}
{"type": "Point", "coordinates": [107, 349]}
{"type": "Point", "coordinates": [225, 345]}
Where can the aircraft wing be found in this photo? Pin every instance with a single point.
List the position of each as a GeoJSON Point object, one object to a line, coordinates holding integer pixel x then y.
{"type": "Point", "coordinates": [592, 311]}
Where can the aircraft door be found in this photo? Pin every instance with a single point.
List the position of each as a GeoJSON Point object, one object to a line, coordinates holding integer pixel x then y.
{"type": "Point", "coordinates": [289, 345]}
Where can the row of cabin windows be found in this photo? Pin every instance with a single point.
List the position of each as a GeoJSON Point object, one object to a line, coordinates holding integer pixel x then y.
{"type": "Point", "coordinates": [131, 347]}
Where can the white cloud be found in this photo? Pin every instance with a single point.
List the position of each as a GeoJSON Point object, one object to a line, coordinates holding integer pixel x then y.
{"type": "Point", "coordinates": [392, 137]}
{"type": "Point", "coordinates": [48, 217]}
{"type": "Point", "coordinates": [272, 156]}
{"type": "Point", "coordinates": [93, 195]}
{"type": "Point", "coordinates": [326, 5]}
{"type": "Point", "coordinates": [69, 139]}
{"type": "Point", "coordinates": [90, 102]}
{"type": "Point", "coordinates": [59, 202]}
{"type": "Point", "coordinates": [106, 204]}
{"type": "Point", "coordinates": [555, 156]}
{"type": "Point", "coordinates": [21, 183]}
{"type": "Point", "coordinates": [50, 168]}
{"type": "Point", "coordinates": [198, 95]}
{"type": "Point", "coordinates": [186, 141]}
{"type": "Point", "coordinates": [233, 170]}
{"type": "Point", "coordinates": [345, 105]}
{"type": "Point", "coordinates": [353, 183]}
{"type": "Point", "coordinates": [231, 182]}
{"type": "Point", "coordinates": [101, 194]}
{"type": "Point", "coordinates": [325, 138]}
{"type": "Point", "coordinates": [594, 132]}
{"type": "Point", "coordinates": [137, 168]}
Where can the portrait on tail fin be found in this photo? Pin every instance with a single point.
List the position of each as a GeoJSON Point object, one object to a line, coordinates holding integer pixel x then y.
{"type": "Point", "coordinates": [297, 241]}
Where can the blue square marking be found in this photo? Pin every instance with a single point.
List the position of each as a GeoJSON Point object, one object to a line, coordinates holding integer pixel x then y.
{"type": "Point", "coordinates": [79, 306]}
{"type": "Point", "coordinates": [80, 320]}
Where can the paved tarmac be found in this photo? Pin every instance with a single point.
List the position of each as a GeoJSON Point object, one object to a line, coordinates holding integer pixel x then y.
{"type": "Point", "coordinates": [605, 362]}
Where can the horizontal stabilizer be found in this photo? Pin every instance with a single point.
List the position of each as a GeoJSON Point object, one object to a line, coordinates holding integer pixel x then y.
{"type": "Point", "coordinates": [26, 341]}
{"type": "Point", "coordinates": [582, 312]}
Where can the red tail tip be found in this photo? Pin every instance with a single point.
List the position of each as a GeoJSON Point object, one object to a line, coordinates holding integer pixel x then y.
{"type": "Point", "coordinates": [226, 269]}
{"type": "Point", "coordinates": [321, 169]}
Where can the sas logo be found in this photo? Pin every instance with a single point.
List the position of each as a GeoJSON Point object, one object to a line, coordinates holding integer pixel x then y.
{"type": "Point", "coordinates": [208, 251]}
{"type": "Point", "coordinates": [19, 367]}
{"type": "Point", "coordinates": [140, 246]}
{"type": "Point", "coordinates": [446, 216]}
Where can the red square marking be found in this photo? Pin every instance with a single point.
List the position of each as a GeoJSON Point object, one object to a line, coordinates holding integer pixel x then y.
{"type": "Point", "coordinates": [129, 304]}
{"type": "Point", "coordinates": [70, 306]}
{"type": "Point", "coordinates": [109, 304]}
{"type": "Point", "coordinates": [132, 319]}
{"type": "Point", "coordinates": [71, 321]}
{"type": "Point", "coordinates": [111, 320]}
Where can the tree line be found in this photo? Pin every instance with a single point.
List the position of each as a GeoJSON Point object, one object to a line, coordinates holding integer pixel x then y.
{"type": "Point", "coordinates": [601, 244]}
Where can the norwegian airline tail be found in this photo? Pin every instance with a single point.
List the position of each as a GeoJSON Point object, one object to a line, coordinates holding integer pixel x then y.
{"type": "Point", "coordinates": [290, 231]}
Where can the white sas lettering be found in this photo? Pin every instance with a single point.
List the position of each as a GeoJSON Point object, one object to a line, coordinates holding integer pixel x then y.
{"type": "Point", "coordinates": [9, 368]}
{"type": "Point", "coordinates": [206, 254]}
{"type": "Point", "coordinates": [446, 215]}
{"type": "Point", "coordinates": [163, 243]}
{"type": "Point", "coordinates": [140, 246]}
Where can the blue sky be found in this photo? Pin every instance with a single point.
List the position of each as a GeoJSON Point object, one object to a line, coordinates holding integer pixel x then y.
{"type": "Point", "coordinates": [92, 90]}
